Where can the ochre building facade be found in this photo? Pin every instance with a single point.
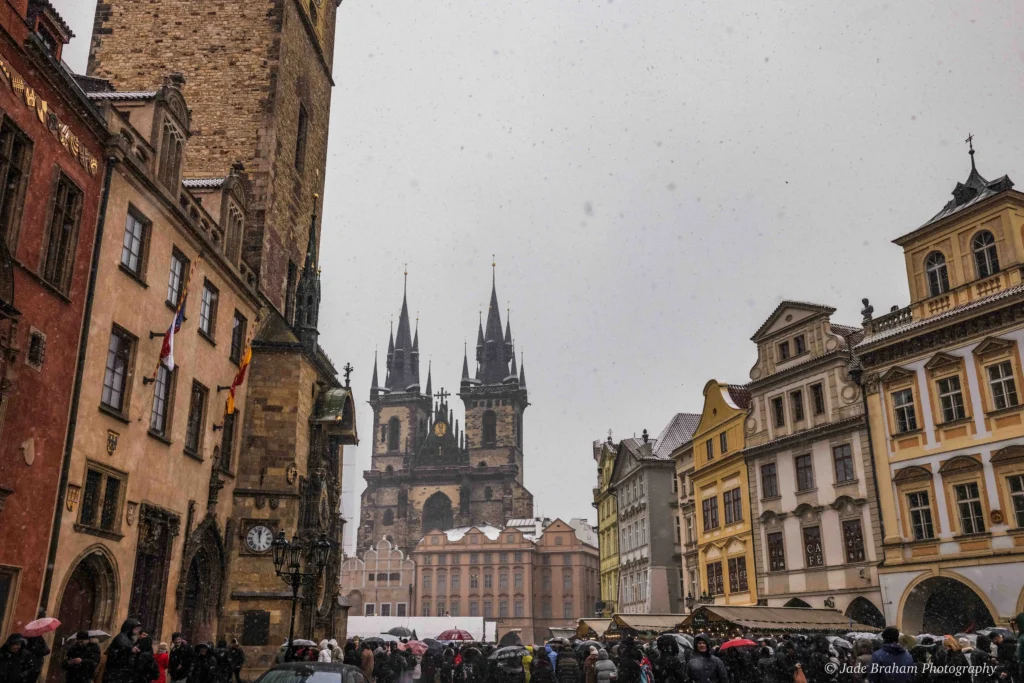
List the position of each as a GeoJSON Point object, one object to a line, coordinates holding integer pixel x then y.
{"type": "Point", "coordinates": [943, 377]}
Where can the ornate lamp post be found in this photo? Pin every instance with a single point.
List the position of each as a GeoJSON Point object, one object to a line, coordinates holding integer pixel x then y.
{"type": "Point", "coordinates": [291, 554]}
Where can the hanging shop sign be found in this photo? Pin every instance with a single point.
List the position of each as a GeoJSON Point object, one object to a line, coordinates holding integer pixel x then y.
{"type": "Point", "coordinates": [59, 129]}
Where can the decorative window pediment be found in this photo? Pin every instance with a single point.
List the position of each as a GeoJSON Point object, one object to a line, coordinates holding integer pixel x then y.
{"type": "Point", "coordinates": [960, 463]}
{"type": "Point", "coordinates": [807, 512]}
{"type": "Point", "coordinates": [943, 361]}
{"type": "Point", "coordinates": [897, 374]}
{"type": "Point", "coordinates": [912, 473]}
{"type": "Point", "coordinates": [993, 346]}
{"type": "Point", "coordinates": [847, 505]}
{"type": "Point", "coordinates": [1014, 453]}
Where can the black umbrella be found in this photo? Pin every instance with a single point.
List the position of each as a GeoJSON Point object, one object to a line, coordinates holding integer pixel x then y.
{"type": "Point", "coordinates": [510, 652]}
{"type": "Point", "coordinates": [401, 632]}
{"type": "Point", "coordinates": [433, 645]}
{"type": "Point", "coordinates": [375, 641]}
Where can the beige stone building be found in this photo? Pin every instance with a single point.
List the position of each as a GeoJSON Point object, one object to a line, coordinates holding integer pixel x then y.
{"type": "Point", "coordinates": [153, 467]}
{"type": "Point", "coordinates": [686, 523]}
{"type": "Point", "coordinates": [380, 583]}
{"type": "Point", "coordinates": [531, 575]}
{"type": "Point", "coordinates": [812, 490]}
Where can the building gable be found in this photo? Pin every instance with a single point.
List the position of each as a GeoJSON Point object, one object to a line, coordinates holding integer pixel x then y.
{"type": "Point", "coordinates": [789, 314]}
{"type": "Point", "coordinates": [721, 404]}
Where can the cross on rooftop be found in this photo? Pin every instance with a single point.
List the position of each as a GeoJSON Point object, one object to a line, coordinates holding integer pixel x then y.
{"type": "Point", "coordinates": [442, 394]}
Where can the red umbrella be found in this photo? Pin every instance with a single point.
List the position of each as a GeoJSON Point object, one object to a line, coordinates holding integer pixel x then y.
{"type": "Point", "coordinates": [417, 647]}
{"type": "Point", "coordinates": [737, 642]}
{"type": "Point", "coordinates": [456, 634]}
{"type": "Point", "coordinates": [39, 627]}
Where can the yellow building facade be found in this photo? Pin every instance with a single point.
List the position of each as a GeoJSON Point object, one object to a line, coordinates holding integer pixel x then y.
{"type": "Point", "coordinates": [721, 497]}
{"type": "Point", "coordinates": [607, 524]}
{"type": "Point", "coordinates": [943, 380]}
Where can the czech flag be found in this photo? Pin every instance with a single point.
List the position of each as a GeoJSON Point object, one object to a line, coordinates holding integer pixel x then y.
{"type": "Point", "coordinates": [167, 350]}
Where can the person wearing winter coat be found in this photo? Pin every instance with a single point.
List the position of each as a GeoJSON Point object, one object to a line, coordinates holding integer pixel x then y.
{"type": "Point", "coordinates": [324, 653]}
{"type": "Point", "coordinates": [982, 659]}
{"type": "Point", "coordinates": [604, 668]}
{"type": "Point", "coordinates": [589, 672]}
{"type": "Point", "coordinates": [1019, 623]}
{"type": "Point", "coordinates": [766, 669]}
{"type": "Point", "coordinates": [120, 653]}
{"type": "Point", "coordinates": [204, 665]}
{"type": "Point", "coordinates": [144, 667]}
{"type": "Point", "coordinates": [237, 656]}
{"type": "Point", "coordinates": [80, 659]}
{"type": "Point", "coordinates": [543, 672]}
{"type": "Point", "coordinates": [703, 666]}
{"type": "Point", "coordinates": [180, 660]}
{"type": "Point", "coordinates": [222, 669]}
{"type": "Point", "coordinates": [528, 664]}
{"type": "Point", "coordinates": [567, 669]}
{"type": "Point", "coordinates": [15, 661]}
{"type": "Point", "coordinates": [366, 661]}
{"type": "Point", "coordinates": [37, 650]}
{"type": "Point", "coordinates": [162, 658]}
{"type": "Point", "coordinates": [891, 663]}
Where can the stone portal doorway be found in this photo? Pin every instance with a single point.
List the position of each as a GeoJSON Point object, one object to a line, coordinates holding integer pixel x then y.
{"type": "Point", "coordinates": [87, 603]}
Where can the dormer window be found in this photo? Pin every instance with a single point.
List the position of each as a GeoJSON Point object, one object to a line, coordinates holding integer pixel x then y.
{"type": "Point", "coordinates": [986, 258]}
{"type": "Point", "coordinates": [799, 345]}
{"type": "Point", "coordinates": [235, 226]}
{"type": "Point", "coordinates": [935, 271]}
{"type": "Point", "coordinates": [172, 147]}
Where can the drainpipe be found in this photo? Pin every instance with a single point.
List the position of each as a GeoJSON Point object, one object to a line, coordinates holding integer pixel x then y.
{"type": "Point", "coordinates": [69, 438]}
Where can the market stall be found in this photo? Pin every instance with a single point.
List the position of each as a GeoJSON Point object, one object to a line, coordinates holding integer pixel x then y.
{"type": "Point", "coordinates": [592, 628]}
{"type": "Point", "coordinates": [731, 622]}
{"type": "Point", "coordinates": [642, 625]}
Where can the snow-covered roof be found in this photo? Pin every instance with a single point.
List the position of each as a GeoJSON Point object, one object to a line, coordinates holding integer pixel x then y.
{"type": "Point", "coordinates": [491, 532]}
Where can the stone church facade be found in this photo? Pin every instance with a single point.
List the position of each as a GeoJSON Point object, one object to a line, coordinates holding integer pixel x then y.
{"type": "Point", "coordinates": [426, 471]}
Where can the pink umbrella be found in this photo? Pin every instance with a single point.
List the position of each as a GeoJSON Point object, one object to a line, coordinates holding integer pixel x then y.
{"type": "Point", "coordinates": [39, 627]}
{"type": "Point", "coordinates": [417, 647]}
{"type": "Point", "coordinates": [456, 634]}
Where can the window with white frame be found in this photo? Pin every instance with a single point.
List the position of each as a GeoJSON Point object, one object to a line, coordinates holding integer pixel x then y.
{"type": "Point", "coordinates": [1004, 389]}
{"type": "Point", "coordinates": [968, 503]}
{"type": "Point", "coordinates": [1017, 495]}
{"type": "Point", "coordinates": [904, 411]}
{"type": "Point", "coordinates": [986, 258]}
{"type": "Point", "coordinates": [920, 515]}
{"type": "Point", "coordinates": [936, 273]}
{"type": "Point", "coordinates": [951, 399]}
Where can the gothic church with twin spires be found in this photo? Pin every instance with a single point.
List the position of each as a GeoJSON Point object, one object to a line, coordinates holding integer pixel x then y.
{"type": "Point", "coordinates": [428, 472]}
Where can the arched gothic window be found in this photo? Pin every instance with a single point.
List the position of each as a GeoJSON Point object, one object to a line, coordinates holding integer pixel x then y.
{"type": "Point", "coordinates": [986, 258]}
{"type": "Point", "coordinates": [389, 517]}
{"type": "Point", "coordinates": [935, 271]}
{"type": "Point", "coordinates": [171, 148]}
{"type": "Point", "coordinates": [490, 424]}
{"type": "Point", "coordinates": [394, 434]}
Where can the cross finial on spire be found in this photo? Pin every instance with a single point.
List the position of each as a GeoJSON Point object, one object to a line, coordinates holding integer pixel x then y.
{"type": "Point", "coordinates": [442, 395]}
{"type": "Point", "coordinates": [970, 145]}
{"type": "Point", "coordinates": [348, 372]}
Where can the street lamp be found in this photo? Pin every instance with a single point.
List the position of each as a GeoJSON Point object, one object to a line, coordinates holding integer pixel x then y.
{"type": "Point", "coordinates": [690, 602]}
{"type": "Point", "coordinates": [291, 553]}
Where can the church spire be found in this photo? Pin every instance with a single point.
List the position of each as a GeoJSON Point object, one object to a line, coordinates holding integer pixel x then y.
{"type": "Point", "coordinates": [493, 350]}
{"type": "Point", "coordinates": [522, 373]}
{"type": "Point", "coordinates": [429, 392]}
{"type": "Point", "coordinates": [373, 381]}
{"type": "Point", "coordinates": [403, 351]}
{"type": "Point", "coordinates": [307, 291]}
{"type": "Point", "coordinates": [465, 363]}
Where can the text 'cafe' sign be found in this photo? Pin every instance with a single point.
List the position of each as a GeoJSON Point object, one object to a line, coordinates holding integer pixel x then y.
{"type": "Point", "coordinates": [60, 130]}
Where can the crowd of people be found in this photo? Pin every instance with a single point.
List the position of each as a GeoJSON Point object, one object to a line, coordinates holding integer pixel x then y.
{"type": "Point", "coordinates": [890, 657]}
{"type": "Point", "coordinates": [131, 657]}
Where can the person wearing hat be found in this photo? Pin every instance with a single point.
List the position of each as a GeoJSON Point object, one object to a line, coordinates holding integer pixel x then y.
{"type": "Point", "coordinates": [891, 663]}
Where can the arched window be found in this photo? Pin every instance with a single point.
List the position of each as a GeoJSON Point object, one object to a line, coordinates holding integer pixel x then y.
{"type": "Point", "coordinates": [488, 493]}
{"type": "Point", "coordinates": [171, 147]}
{"type": "Point", "coordinates": [394, 433]}
{"type": "Point", "coordinates": [389, 517]}
{"type": "Point", "coordinates": [389, 469]}
{"type": "Point", "coordinates": [490, 428]}
{"type": "Point", "coordinates": [986, 259]}
{"type": "Point", "coordinates": [935, 271]}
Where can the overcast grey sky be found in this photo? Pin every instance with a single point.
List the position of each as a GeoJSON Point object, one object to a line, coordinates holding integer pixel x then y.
{"type": "Point", "coordinates": [654, 176]}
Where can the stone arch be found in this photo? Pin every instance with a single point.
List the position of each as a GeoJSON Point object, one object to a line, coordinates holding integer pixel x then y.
{"type": "Point", "coordinates": [200, 584]}
{"type": "Point", "coordinates": [863, 611]}
{"type": "Point", "coordinates": [437, 513]}
{"type": "Point", "coordinates": [88, 598]}
{"type": "Point", "coordinates": [925, 606]}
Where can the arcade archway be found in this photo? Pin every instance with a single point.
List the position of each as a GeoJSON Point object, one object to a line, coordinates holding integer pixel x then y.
{"type": "Point", "coordinates": [87, 603]}
{"type": "Point", "coordinates": [941, 604]}
{"type": "Point", "coordinates": [863, 611]}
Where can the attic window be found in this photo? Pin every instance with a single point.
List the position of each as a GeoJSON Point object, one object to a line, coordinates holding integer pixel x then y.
{"type": "Point", "coordinates": [800, 345]}
{"type": "Point", "coordinates": [784, 350]}
{"type": "Point", "coordinates": [49, 41]}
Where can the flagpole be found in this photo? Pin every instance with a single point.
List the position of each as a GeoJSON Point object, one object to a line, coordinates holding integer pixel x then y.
{"type": "Point", "coordinates": [171, 331]}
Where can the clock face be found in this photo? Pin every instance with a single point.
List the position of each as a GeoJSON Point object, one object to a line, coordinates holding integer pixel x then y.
{"type": "Point", "coordinates": [259, 538]}
{"type": "Point", "coordinates": [440, 428]}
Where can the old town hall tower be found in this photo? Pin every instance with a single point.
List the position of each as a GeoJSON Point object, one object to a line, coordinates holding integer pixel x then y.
{"type": "Point", "coordinates": [427, 472]}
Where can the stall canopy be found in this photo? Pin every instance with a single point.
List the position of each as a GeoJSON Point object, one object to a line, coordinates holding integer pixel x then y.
{"type": "Point", "coordinates": [769, 620]}
{"type": "Point", "coordinates": [646, 623]}
{"type": "Point", "coordinates": [592, 628]}
{"type": "Point", "coordinates": [557, 632]}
